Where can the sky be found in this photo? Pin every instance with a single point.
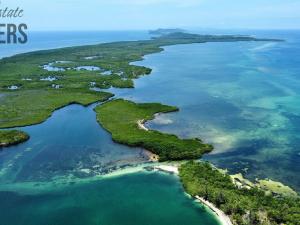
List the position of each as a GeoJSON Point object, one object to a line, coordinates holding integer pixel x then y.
{"type": "Point", "coordinates": [151, 14]}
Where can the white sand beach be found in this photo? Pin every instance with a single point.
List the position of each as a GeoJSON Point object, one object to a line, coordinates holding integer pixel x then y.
{"type": "Point", "coordinates": [141, 125]}
{"type": "Point", "coordinates": [224, 219]}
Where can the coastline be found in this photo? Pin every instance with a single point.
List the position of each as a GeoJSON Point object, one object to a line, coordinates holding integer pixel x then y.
{"type": "Point", "coordinates": [12, 137]}
{"type": "Point", "coordinates": [141, 125]}
{"type": "Point", "coordinates": [223, 218]}
{"type": "Point", "coordinates": [171, 168]}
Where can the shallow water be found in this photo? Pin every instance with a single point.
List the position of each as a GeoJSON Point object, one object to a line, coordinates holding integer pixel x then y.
{"type": "Point", "coordinates": [141, 198]}
{"type": "Point", "coordinates": [242, 97]}
{"type": "Point", "coordinates": [71, 142]}
{"type": "Point", "coordinates": [51, 68]}
{"type": "Point", "coordinates": [89, 68]}
{"type": "Point", "coordinates": [54, 178]}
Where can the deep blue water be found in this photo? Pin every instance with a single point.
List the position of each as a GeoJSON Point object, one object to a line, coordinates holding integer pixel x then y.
{"type": "Point", "coordinates": [50, 40]}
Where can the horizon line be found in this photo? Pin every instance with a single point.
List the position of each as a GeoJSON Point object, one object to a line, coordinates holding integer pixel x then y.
{"type": "Point", "coordinates": [184, 28]}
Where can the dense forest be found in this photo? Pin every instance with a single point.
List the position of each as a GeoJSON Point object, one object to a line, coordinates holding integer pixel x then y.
{"type": "Point", "coordinates": [121, 117]}
{"type": "Point", "coordinates": [12, 137]}
{"type": "Point", "coordinates": [243, 205]}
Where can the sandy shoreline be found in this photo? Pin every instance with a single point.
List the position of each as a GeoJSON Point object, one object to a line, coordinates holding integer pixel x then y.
{"type": "Point", "coordinates": [167, 168]}
{"type": "Point", "coordinates": [224, 219]}
{"type": "Point", "coordinates": [141, 125]}
{"type": "Point", "coordinates": [31, 187]}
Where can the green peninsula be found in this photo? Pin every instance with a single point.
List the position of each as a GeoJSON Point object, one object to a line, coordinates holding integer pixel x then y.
{"type": "Point", "coordinates": [34, 84]}
{"type": "Point", "coordinates": [12, 137]}
{"type": "Point", "coordinates": [121, 118]}
{"type": "Point", "coordinates": [243, 205]}
{"type": "Point", "coordinates": [34, 106]}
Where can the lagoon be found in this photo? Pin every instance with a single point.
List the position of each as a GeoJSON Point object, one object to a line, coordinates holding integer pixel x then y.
{"type": "Point", "coordinates": [55, 178]}
{"type": "Point", "coordinates": [69, 143]}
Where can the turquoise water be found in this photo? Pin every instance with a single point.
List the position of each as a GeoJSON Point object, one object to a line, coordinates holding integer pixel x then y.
{"type": "Point", "coordinates": [242, 97]}
{"type": "Point", "coordinates": [70, 142]}
{"type": "Point", "coordinates": [142, 198]}
{"type": "Point", "coordinates": [56, 178]}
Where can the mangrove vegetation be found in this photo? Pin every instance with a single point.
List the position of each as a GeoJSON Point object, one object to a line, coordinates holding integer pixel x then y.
{"type": "Point", "coordinates": [12, 137]}
{"type": "Point", "coordinates": [245, 206]}
{"type": "Point", "coordinates": [121, 118]}
{"type": "Point", "coordinates": [36, 83]}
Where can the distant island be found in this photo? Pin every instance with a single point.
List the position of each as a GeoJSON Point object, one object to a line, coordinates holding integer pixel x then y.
{"type": "Point", "coordinates": [163, 31]}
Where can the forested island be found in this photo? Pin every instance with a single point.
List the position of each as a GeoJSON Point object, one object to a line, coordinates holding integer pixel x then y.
{"type": "Point", "coordinates": [12, 137]}
{"type": "Point", "coordinates": [164, 31]}
{"type": "Point", "coordinates": [35, 84]}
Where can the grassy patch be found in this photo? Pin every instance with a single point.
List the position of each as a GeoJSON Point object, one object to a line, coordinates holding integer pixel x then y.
{"type": "Point", "coordinates": [243, 205]}
{"type": "Point", "coordinates": [12, 137]}
{"type": "Point", "coordinates": [269, 186]}
{"type": "Point", "coordinates": [276, 188]}
{"type": "Point", "coordinates": [31, 107]}
{"type": "Point", "coordinates": [120, 118]}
